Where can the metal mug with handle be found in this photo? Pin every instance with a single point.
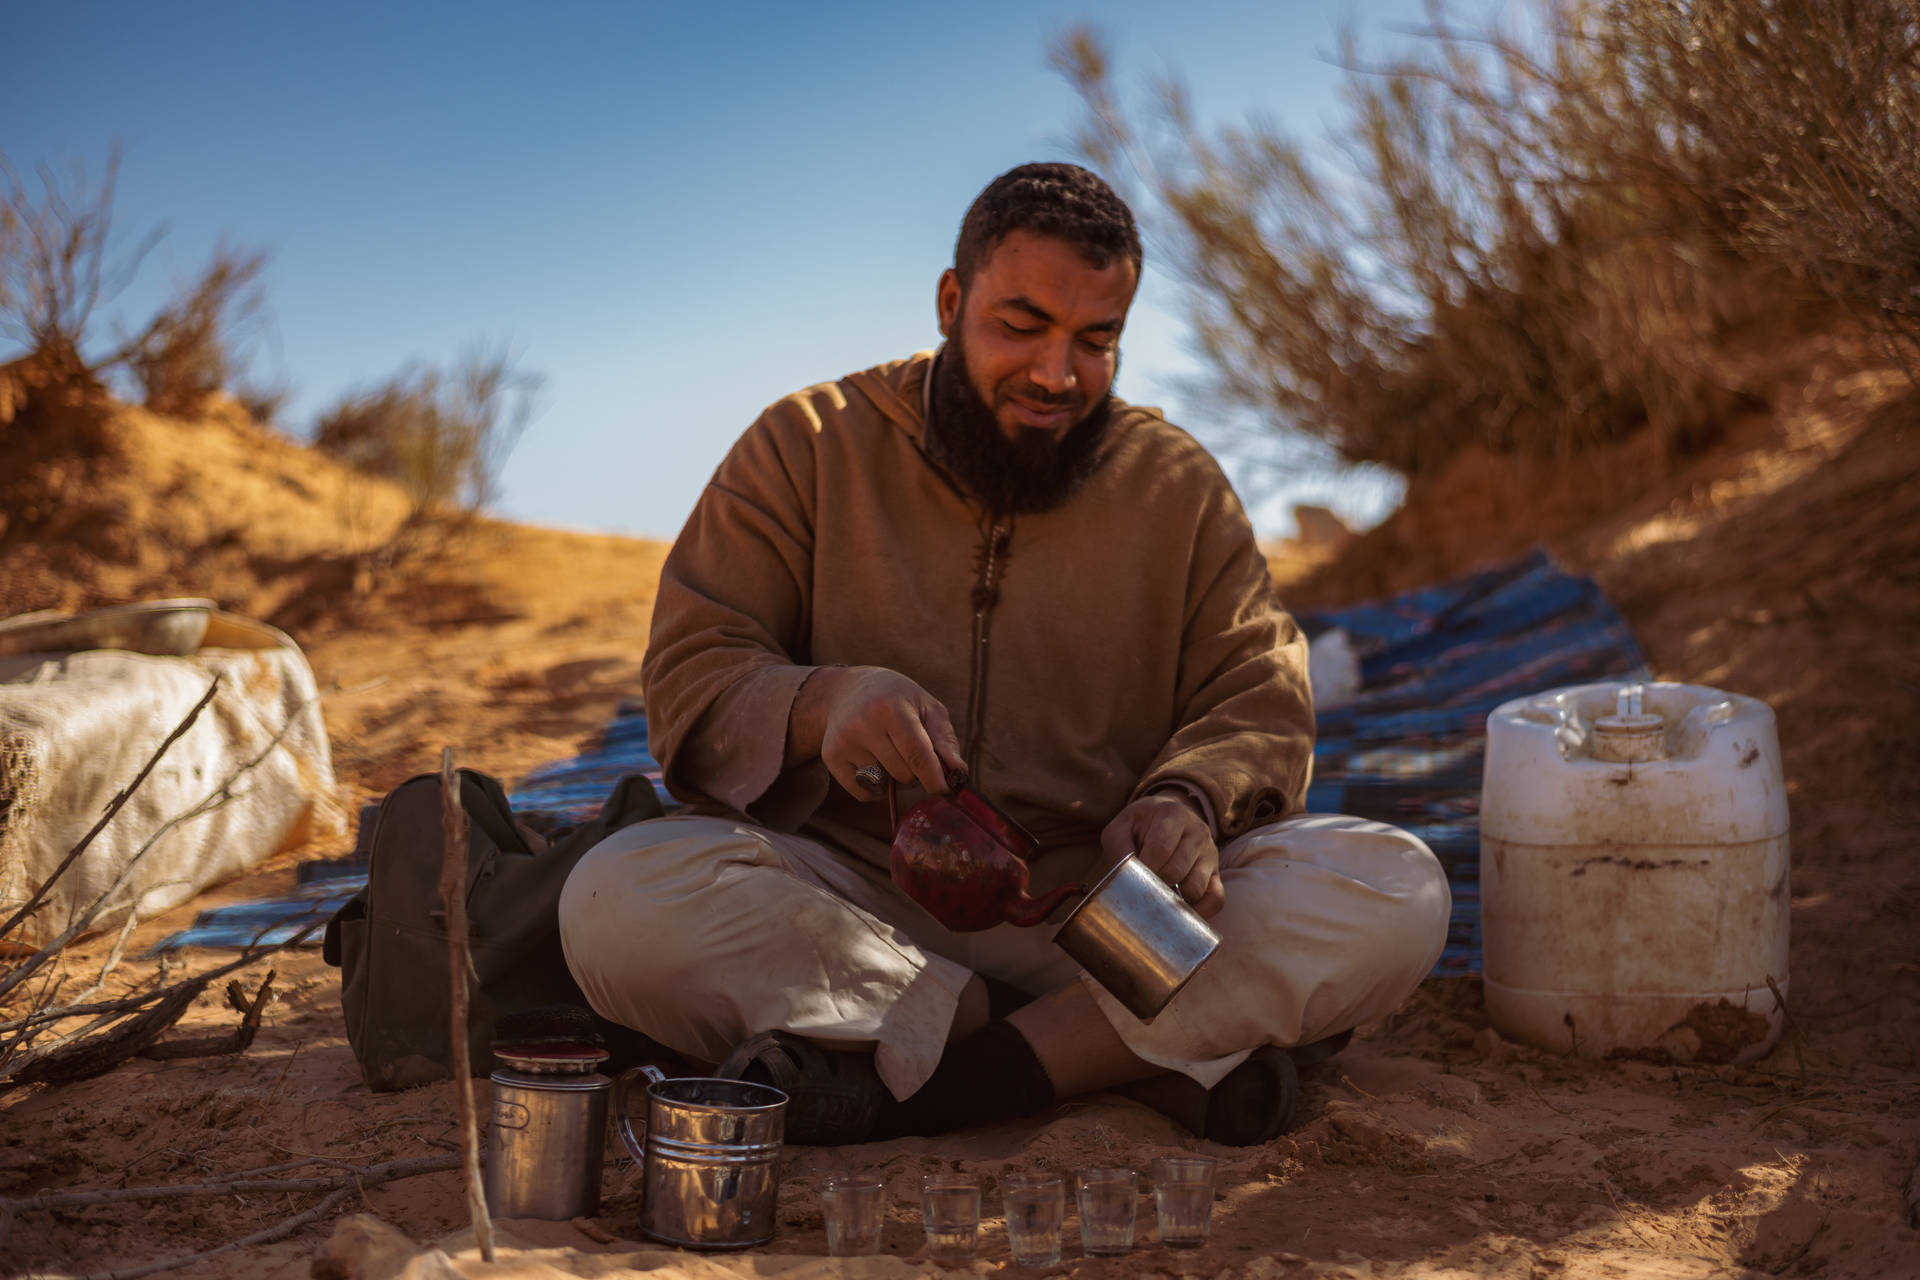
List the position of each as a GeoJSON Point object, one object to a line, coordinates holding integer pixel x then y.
{"type": "Point", "coordinates": [1137, 938]}
{"type": "Point", "coordinates": [710, 1172]}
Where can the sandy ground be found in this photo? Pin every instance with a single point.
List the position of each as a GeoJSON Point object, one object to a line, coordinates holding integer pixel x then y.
{"type": "Point", "coordinates": [1780, 565]}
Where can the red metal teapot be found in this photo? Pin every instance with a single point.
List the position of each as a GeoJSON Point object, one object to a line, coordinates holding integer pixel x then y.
{"type": "Point", "coordinates": [965, 861]}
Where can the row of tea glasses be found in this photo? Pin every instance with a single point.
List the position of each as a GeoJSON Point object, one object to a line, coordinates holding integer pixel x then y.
{"type": "Point", "coordinates": [1035, 1205]}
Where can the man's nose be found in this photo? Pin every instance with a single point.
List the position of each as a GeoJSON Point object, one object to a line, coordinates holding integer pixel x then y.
{"type": "Point", "coordinates": [1052, 368]}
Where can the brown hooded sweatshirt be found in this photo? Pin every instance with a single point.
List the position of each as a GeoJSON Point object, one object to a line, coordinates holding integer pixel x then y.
{"type": "Point", "coordinates": [1125, 640]}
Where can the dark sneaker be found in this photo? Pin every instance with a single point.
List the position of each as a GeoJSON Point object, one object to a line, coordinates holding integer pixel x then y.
{"type": "Point", "coordinates": [834, 1098]}
{"type": "Point", "coordinates": [1256, 1102]}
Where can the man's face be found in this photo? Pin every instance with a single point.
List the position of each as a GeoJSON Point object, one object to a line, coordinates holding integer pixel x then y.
{"type": "Point", "coordinates": [1041, 331]}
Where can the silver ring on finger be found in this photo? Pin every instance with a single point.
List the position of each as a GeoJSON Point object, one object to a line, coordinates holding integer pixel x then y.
{"type": "Point", "coordinates": [871, 776]}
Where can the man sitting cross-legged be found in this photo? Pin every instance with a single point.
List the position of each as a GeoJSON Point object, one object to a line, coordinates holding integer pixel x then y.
{"type": "Point", "coordinates": [980, 560]}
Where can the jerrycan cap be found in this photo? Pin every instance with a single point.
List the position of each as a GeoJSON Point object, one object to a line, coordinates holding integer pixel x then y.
{"type": "Point", "coordinates": [1631, 735]}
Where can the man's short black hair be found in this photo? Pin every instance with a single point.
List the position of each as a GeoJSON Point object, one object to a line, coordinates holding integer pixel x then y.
{"type": "Point", "coordinates": [1061, 200]}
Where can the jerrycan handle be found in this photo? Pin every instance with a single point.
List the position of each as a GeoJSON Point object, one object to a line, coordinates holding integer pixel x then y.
{"type": "Point", "coordinates": [623, 1123]}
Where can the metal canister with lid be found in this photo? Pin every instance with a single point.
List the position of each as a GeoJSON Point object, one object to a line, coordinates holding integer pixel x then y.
{"type": "Point", "coordinates": [547, 1137]}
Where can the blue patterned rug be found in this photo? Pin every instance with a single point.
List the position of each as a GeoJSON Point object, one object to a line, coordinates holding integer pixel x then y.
{"type": "Point", "coordinates": [1434, 663]}
{"type": "Point", "coordinates": [1407, 750]}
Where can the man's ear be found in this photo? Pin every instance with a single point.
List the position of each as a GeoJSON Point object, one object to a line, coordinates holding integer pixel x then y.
{"type": "Point", "coordinates": [947, 301]}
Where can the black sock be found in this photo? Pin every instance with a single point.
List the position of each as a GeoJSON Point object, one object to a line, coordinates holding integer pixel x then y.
{"type": "Point", "coordinates": [991, 1075]}
{"type": "Point", "coordinates": [1003, 997]}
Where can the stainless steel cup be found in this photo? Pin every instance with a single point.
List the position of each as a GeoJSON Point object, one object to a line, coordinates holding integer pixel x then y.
{"type": "Point", "coordinates": [710, 1168]}
{"type": "Point", "coordinates": [544, 1145]}
{"type": "Point", "coordinates": [1138, 938]}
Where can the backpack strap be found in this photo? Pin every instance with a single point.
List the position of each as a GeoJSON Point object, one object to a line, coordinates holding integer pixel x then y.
{"type": "Point", "coordinates": [633, 800]}
{"type": "Point", "coordinates": [490, 810]}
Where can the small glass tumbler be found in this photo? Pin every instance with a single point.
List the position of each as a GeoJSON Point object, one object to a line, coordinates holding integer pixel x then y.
{"type": "Point", "coordinates": [1107, 1199]}
{"type": "Point", "coordinates": [856, 1210]}
{"type": "Point", "coordinates": [1183, 1198]}
{"type": "Point", "coordinates": [1036, 1206]}
{"type": "Point", "coordinates": [950, 1208]}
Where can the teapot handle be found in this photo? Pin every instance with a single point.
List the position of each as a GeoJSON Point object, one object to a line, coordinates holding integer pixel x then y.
{"type": "Point", "coordinates": [623, 1123]}
{"type": "Point", "coordinates": [956, 782]}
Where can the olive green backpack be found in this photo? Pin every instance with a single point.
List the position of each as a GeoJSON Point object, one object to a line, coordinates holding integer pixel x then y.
{"type": "Point", "coordinates": [390, 940]}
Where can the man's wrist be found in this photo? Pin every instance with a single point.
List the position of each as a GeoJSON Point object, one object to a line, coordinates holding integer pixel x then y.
{"type": "Point", "coordinates": [1189, 796]}
{"type": "Point", "coordinates": [807, 719]}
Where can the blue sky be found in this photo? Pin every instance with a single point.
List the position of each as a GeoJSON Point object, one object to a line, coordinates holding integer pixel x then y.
{"type": "Point", "coordinates": [676, 213]}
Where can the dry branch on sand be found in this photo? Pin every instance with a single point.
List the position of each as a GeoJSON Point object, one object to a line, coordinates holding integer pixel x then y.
{"type": "Point", "coordinates": [339, 1186]}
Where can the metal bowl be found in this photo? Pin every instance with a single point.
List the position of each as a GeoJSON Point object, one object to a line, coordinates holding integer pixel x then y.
{"type": "Point", "coordinates": [167, 628]}
{"type": "Point", "coordinates": [1138, 938]}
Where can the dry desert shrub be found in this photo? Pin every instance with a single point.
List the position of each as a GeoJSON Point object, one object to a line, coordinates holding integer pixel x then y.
{"type": "Point", "coordinates": [187, 353]}
{"type": "Point", "coordinates": [57, 262]}
{"type": "Point", "coordinates": [60, 260]}
{"type": "Point", "coordinates": [1539, 236]}
{"type": "Point", "coordinates": [442, 435]}
{"type": "Point", "coordinates": [263, 401]}
{"type": "Point", "coordinates": [1802, 119]}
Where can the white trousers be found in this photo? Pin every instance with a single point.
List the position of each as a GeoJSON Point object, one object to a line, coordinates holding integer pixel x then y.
{"type": "Point", "coordinates": [703, 931]}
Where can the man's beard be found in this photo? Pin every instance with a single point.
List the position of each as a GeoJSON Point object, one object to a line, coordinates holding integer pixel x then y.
{"type": "Point", "coordinates": [1036, 471]}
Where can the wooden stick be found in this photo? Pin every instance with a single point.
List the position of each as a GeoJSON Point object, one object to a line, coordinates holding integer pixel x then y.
{"type": "Point", "coordinates": [246, 1184]}
{"type": "Point", "coordinates": [1793, 1031]}
{"type": "Point", "coordinates": [233, 1042]}
{"type": "Point", "coordinates": [105, 1051]}
{"type": "Point", "coordinates": [453, 885]}
{"type": "Point", "coordinates": [146, 998]}
{"type": "Point", "coordinates": [340, 1186]}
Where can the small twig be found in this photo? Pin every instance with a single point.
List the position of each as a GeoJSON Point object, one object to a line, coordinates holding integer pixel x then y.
{"type": "Point", "coordinates": [21, 1040]}
{"type": "Point", "coordinates": [1348, 1081]}
{"type": "Point", "coordinates": [347, 1184]}
{"type": "Point", "coordinates": [113, 806]}
{"type": "Point", "coordinates": [1793, 1030]}
{"type": "Point", "coordinates": [120, 1039]}
{"type": "Point", "coordinates": [15, 1062]}
{"type": "Point", "coordinates": [100, 1054]}
{"type": "Point", "coordinates": [1606, 1185]}
{"type": "Point", "coordinates": [1913, 1197]}
{"type": "Point", "coordinates": [279, 1081]}
{"type": "Point", "coordinates": [453, 884]}
{"type": "Point", "coordinates": [114, 953]}
{"type": "Point", "coordinates": [1543, 1100]}
{"type": "Point", "coordinates": [1800, 1101]}
{"type": "Point", "coordinates": [231, 1043]}
{"type": "Point", "coordinates": [253, 1184]}
{"type": "Point", "coordinates": [125, 1003]}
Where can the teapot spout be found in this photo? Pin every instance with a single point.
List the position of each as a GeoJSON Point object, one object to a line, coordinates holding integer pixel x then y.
{"type": "Point", "coordinates": [1027, 911]}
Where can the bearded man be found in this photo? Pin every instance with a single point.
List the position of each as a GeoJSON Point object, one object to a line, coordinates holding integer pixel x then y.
{"type": "Point", "coordinates": [979, 561]}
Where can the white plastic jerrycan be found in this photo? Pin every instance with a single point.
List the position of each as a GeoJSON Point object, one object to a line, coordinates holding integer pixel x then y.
{"type": "Point", "coordinates": [1633, 871]}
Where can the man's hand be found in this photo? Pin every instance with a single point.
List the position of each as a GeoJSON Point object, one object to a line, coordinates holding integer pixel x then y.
{"type": "Point", "coordinates": [853, 717]}
{"type": "Point", "coordinates": [1172, 839]}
